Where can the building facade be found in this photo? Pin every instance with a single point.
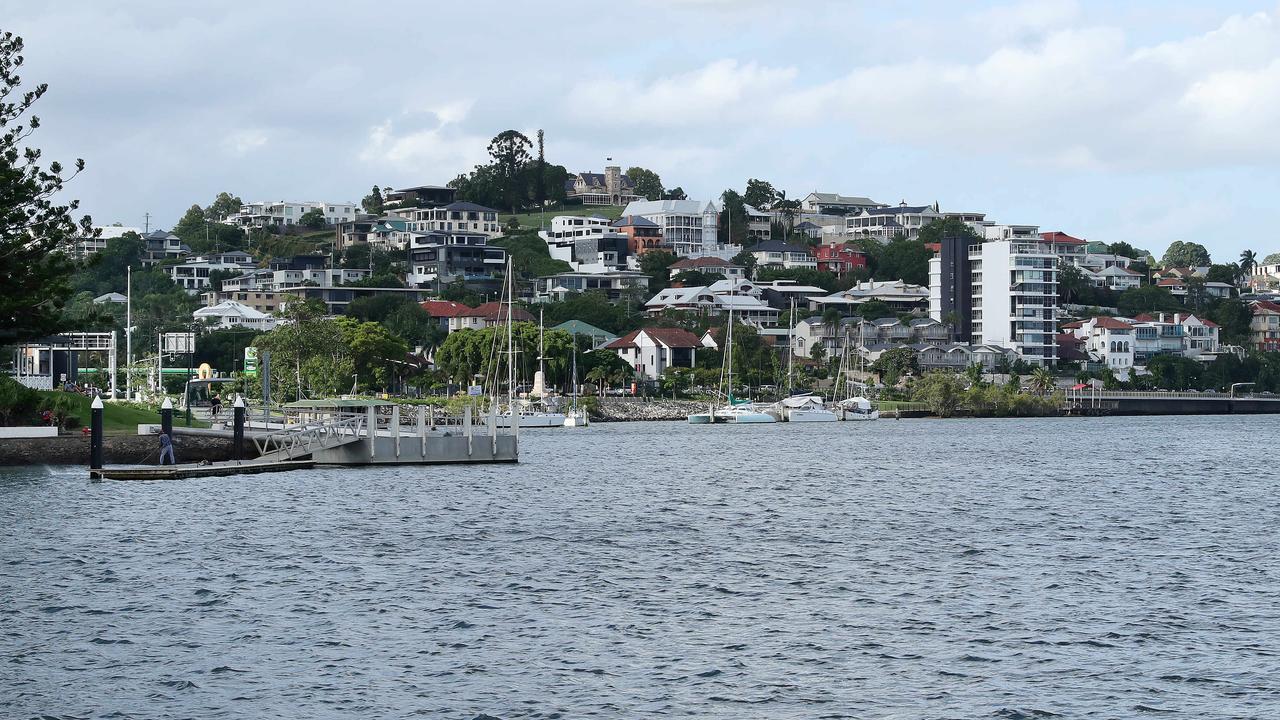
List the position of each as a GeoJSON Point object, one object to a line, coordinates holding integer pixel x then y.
{"type": "Point", "coordinates": [611, 187]}
{"type": "Point", "coordinates": [688, 227]}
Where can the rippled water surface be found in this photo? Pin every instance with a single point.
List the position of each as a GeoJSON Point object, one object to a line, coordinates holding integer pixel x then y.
{"type": "Point", "coordinates": [901, 569]}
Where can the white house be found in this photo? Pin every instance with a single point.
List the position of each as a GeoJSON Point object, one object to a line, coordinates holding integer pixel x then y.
{"type": "Point", "coordinates": [231, 314]}
{"type": "Point", "coordinates": [885, 223]}
{"type": "Point", "coordinates": [652, 350]}
{"type": "Point", "coordinates": [816, 202]}
{"type": "Point", "coordinates": [454, 218]}
{"type": "Point", "coordinates": [193, 275]}
{"type": "Point", "coordinates": [285, 212]}
{"type": "Point", "coordinates": [88, 246]}
{"type": "Point", "coordinates": [1109, 341]}
{"type": "Point", "coordinates": [778, 254]}
{"type": "Point", "coordinates": [718, 298]}
{"type": "Point", "coordinates": [688, 226]}
{"type": "Point", "coordinates": [897, 294]}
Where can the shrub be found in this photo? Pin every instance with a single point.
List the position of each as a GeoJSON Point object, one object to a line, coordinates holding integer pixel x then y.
{"type": "Point", "coordinates": [17, 401]}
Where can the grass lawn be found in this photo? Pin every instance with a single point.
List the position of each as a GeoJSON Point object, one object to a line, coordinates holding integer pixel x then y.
{"type": "Point", "coordinates": [534, 220]}
{"type": "Point", "coordinates": [121, 418]}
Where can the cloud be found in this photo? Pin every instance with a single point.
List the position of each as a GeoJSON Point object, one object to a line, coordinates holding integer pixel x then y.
{"type": "Point", "coordinates": [428, 142]}
{"type": "Point", "coordinates": [242, 142]}
{"type": "Point", "coordinates": [717, 91]}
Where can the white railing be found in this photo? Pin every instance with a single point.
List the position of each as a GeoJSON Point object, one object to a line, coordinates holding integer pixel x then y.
{"type": "Point", "coordinates": [306, 439]}
{"type": "Point", "coordinates": [1160, 395]}
{"type": "Point", "coordinates": [35, 382]}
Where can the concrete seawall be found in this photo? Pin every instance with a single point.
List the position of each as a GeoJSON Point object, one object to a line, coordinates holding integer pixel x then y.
{"type": "Point", "coordinates": [117, 450]}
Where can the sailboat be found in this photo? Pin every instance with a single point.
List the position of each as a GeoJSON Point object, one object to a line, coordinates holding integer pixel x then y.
{"type": "Point", "coordinates": [735, 411]}
{"type": "Point", "coordinates": [803, 407]}
{"type": "Point", "coordinates": [576, 417]}
{"type": "Point", "coordinates": [525, 413]}
{"type": "Point", "coordinates": [853, 407]}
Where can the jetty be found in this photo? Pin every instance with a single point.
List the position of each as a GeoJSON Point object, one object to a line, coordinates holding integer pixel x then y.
{"type": "Point", "coordinates": [346, 432]}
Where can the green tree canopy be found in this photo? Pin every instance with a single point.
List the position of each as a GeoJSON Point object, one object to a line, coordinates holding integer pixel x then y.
{"type": "Point", "coordinates": [529, 254]}
{"type": "Point", "coordinates": [312, 219]}
{"type": "Point", "coordinates": [224, 206]}
{"type": "Point", "coordinates": [1123, 248]}
{"type": "Point", "coordinates": [675, 193]}
{"type": "Point", "coordinates": [656, 264]}
{"type": "Point", "coordinates": [36, 234]}
{"type": "Point", "coordinates": [1146, 299]}
{"type": "Point", "coordinates": [373, 202]}
{"type": "Point", "coordinates": [1185, 254]}
{"type": "Point", "coordinates": [510, 152]}
{"type": "Point", "coordinates": [647, 183]}
{"type": "Point", "coordinates": [760, 194]}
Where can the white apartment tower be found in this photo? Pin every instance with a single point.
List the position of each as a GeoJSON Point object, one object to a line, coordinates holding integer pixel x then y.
{"type": "Point", "coordinates": [1005, 294]}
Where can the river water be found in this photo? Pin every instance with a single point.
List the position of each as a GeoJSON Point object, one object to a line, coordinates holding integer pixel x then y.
{"type": "Point", "coordinates": [1114, 567]}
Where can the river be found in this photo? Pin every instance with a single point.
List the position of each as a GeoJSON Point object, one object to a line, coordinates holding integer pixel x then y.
{"type": "Point", "coordinates": [1107, 567]}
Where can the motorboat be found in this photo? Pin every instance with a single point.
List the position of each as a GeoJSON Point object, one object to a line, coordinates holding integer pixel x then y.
{"type": "Point", "coordinates": [857, 408]}
{"type": "Point", "coordinates": [805, 408]}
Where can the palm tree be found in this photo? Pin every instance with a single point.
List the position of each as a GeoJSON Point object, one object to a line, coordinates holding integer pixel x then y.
{"type": "Point", "coordinates": [1248, 262]}
{"type": "Point", "coordinates": [1042, 381]}
{"type": "Point", "coordinates": [598, 376]}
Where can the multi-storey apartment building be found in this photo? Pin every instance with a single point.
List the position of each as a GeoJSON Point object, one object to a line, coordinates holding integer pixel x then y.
{"type": "Point", "coordinates": [1001, 292]}
{"type": "Point", "coordinates": [284, 212]}
{"type": "Point", "coordinates": [193, 275]}
{"type": "Point", "coordinates": [687, 226]}
{"type": "Point", "coordinates": [439, 258]}
{"type": "Point", "coordinates": [817, 202]}
{"type": "Point", "coordinates": [457, 217]}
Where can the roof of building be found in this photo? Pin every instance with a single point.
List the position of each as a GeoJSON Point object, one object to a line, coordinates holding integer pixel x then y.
{"type": "Point", "coordinates": [229, 308]}
{"type": "Point", "coordinates": [111, 297]}
{"type": "Point", "coordinates": [777, 246]}
{"type": "Point", "coordinates": [577, 327]}
{"type": "Point", "coordinates": [463, 206]}
{"type": "Point", "coordinates": [498, 311]}
{"type": "Point", "coordinates": [690, 263]}
{"type": "Point", "coordinates": [634, 221]}
{"type": "Point", "coordinates": [670, 337]}
{"type": "Point", "coordinates": [1110, 323]}
{"type": "Point", "coordinates": [445, 308]}
{"type": "Point", "coordinates": [678, 207]}
{"type": "Point", "coordinates": [897, 209]}
{"type": "Point", "coordinates": [1057, 236]}
{"type": "Point", "coordinates": [838, 199]}
{"type": "Point", "coordinates": [1170, 282]}
{"type": "Point", "coordinates": [1260, 306]}
{"type": "Point", "coordinates": [1069, 347]}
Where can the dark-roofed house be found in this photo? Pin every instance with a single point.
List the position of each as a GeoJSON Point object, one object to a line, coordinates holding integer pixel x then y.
{"type": "Point", "coordinates": [610, 187]}
{"type": "Point", "coordinates": [456, 316]}
{"type": "Point", "coordinates": [778, 254]}
{"type": "Point", "coordinates": [652, 350]}
{"type": "Point", "coordinates": [642, 233]}
{"type": "Point", "coordinates": [835, 203]}
{"type": "Point", "coordinates": [709, 265]}
{"type": "Point", "coordinates": [885, 223]}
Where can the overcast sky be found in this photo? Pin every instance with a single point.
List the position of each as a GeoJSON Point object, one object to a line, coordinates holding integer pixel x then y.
{"type": "Point", "coordinates": [1144, 121]}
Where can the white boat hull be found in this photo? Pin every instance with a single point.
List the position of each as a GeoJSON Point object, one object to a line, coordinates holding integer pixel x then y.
{"type": "Point", "coordinates": [576, 419]}
{"type": "Point", "coordinates": [811, 416]}
{"type": "Point", "coordinates": [534, 420]}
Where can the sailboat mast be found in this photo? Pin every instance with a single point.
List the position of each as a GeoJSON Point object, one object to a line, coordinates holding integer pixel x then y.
{"type": "Point", "coordinates": [791, 345]}
{"type": "Point", "coordinates": [511, 350]}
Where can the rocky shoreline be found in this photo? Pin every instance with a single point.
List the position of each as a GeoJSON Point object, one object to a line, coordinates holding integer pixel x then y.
{"type": "Point", "coordinates": [629, 410]}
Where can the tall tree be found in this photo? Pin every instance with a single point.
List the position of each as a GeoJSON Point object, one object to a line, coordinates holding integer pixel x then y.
{"type": "Point", "coordinates": [540, 176]}
{"type": "Point", "coordinates": [733, 218]}
{"type": "Point", "coordinates": [1248, 262]}
{"type": "Point", "coordinates": [647, 183]}
{"type": "Point", "coordinates": [35, 232]}
{"type": "Point", "coordinates": [373, 202]}
{"type": "Point", "coordinates": [223, 206]}
{"type": "Point", "coordinates": [510, 152]}
{"type": "Point", "coordinates": [1185, 254]}
{"type": "Point", "coordinates": [760, 194]}
{"type": "Point", "coordinates": [1125, 249]}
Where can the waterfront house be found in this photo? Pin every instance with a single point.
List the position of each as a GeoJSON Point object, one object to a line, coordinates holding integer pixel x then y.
{"type": "Point", "coordinates": [454, 316]}
{"type": "Point", "coordinates": [1264, 327]}
{"type": "Point", "coordinates": [650, 351]}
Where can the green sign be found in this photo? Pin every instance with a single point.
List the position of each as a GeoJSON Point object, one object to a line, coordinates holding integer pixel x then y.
{"type": "Point", "coordinates": [250, 360]}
